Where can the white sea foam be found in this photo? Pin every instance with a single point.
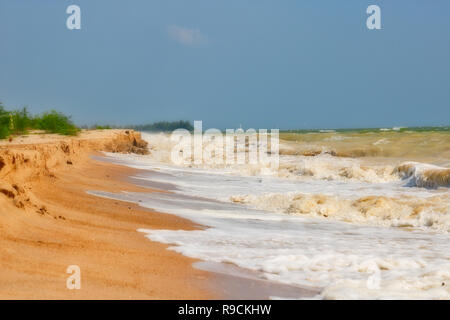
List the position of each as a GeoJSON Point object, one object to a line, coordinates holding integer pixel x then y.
{"type": "Point", "coordinates": [323, 166]}
{"type": "Point", "coordinates": [289, 228]}
{"type": "Point", "coordinates": [337, 257]}
{"type": "Point", "coordinates": [377, 210]}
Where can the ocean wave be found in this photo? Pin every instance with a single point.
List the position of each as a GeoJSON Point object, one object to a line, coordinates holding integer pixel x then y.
{"type": "Point", "coordinates": [408, 211]}
{"type": "Point", "coordinates": [424, 175]}
{"type": "Point", "coordinates": [320, 164]}
{"type": "Point", "coordinates": [328, 167]}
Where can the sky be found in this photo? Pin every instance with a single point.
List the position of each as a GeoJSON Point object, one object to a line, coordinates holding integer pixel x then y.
{"type": "Point", "coordinates": [289, 64]}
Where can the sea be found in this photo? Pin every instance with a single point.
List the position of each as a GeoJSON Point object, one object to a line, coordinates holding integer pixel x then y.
{"type": "Point", "coordinates": [357, 214]}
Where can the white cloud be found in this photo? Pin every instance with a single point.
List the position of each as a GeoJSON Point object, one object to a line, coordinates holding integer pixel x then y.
{"type": "Point", "coordinates": [186, 36]}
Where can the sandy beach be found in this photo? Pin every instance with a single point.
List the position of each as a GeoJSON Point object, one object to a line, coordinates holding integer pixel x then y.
{"type": "Point", "coordinates": [231, 235]}
{"type": "Point", "coordinates": [48, 222]}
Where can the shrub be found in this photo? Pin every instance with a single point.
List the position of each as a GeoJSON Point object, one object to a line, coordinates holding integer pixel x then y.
{"type": "Point", "coordinates": [99, 127]}
{"type": "Point", "coordinates": [20, 121]}
{"type": "Point", "coordinates": [56, 122]}
{"type": "Point", "coordinates": [165, 126]}
{"type": "Point", "coordinates": [4, 122]}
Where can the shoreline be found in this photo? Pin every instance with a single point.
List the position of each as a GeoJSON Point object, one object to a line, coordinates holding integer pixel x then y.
{"type": "Point", "coordinates": [49, 221]}
{"type": "Point", "coordinates": [59, 224]}
{"type": "Point", "coordinates": [229, 281]}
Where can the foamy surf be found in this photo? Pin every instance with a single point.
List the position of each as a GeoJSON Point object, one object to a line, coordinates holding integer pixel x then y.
{"type": "Point", "coordinates": [349, 227]}
{"type": "Point", "coordinates": [339, 259]}
{"type": "Point", "coordinates": [429, 213]}
{"type": "Point", "coordinates": [320, 165]}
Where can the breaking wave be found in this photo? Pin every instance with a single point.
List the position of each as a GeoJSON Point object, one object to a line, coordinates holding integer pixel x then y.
{"type": "Point", "coordinates": [328, 167]}
{"type": "Point", "coordinates": [424, 175]}
{"type": "Point", "coordinates": [321, 165]}
{"type": "Point", "coordinates": [407, 211]}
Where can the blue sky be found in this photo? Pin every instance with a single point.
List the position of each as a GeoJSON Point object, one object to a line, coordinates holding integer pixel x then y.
{"type": "Point", "coordinates": [256, 63]}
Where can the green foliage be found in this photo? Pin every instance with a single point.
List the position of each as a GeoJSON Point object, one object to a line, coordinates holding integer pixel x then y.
{"type": "Point", "coordinates": [21, 121]}
{"type": "Point", "coordinates": [4, 132]}
{"type": "Point", "coordinates": [165, 126]}
{"type": "Point", "coordinates": [102, 127]}
{"type": "Point", "coordinates": [4, 122]}
{"type": "Point", "coordinates": [56, 122]}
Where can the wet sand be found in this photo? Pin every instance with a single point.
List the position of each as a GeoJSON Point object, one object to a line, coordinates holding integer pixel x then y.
{"type": "Point", "coordinates": [232, 282]}
{"type": "Point", "coordinates": [228, 281]}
